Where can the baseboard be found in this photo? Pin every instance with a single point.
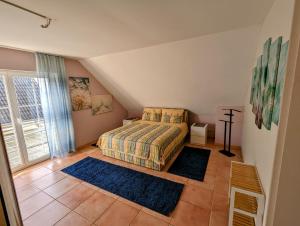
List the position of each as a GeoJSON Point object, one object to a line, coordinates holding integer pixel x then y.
{"type": "Point", "coordinates": [86, 145]}
{"type": "Point", "coordinates": [235, 147]}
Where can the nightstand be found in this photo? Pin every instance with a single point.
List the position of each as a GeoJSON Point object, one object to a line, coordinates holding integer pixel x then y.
{"type": "Point", "coordinates": [130, 120]}
{"type": "Point", "coordinates": [198, 133]}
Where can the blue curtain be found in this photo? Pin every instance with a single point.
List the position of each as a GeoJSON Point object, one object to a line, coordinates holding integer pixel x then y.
{"type": "Point", "coordinates": [56, 104]}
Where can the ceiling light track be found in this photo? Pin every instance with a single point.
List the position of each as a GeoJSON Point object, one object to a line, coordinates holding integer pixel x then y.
{"type": "Point", "coordinates": [48, 19]}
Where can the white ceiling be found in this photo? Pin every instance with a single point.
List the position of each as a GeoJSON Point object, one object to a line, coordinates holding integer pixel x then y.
{"type": "Point", "coordinates": [89, 28]}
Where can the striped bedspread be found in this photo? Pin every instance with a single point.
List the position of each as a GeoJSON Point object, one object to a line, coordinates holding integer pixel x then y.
{"type": "Point", "coordinates": [145, 139]}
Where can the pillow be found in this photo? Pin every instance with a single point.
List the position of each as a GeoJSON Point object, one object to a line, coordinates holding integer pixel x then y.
{"type": "Point", "coordinates": [152, 114]}
{"type": "Point", "coordinates": [156, 115]}
{"type": "Point", "coordinates": [146, 115]}
{"type": "Point", "coordinates": [172, 115]}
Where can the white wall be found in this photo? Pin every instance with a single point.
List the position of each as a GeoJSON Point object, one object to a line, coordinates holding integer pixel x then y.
{"type": "Point", "coordinates": [259, 145]}
{"type": "Point", "coordinates": [198, 74]}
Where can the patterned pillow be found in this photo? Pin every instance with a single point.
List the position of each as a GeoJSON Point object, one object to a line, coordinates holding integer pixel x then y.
{"type": "Point", "coordinates": [172, 115]}
{"type": "Point", "coordinates": [176, 119]}
{"type": "Point", "coordinates": [165, 117]}
{"type": "Point", "coordinates": [156, 116]}
{"type": "Point", "coordinates": [146, 116]}
{"type": "Point", "coordinates": [152, 114]}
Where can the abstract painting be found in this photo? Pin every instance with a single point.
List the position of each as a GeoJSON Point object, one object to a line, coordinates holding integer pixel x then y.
{"type": "Point", "coordinates": [101, 104]}
{"type": "Point", "coordinates": [280, 81]}
{"type": "Point", "coordinates": [80, 93]}
{"type": "Point", "coordinates": [270, 83]}
{"type": "Point", "coordinates": [262, 83]}
{"type": "Point", "coordinates": [254, 74]}
{"type": "Point", "coordinates": [256, 92]}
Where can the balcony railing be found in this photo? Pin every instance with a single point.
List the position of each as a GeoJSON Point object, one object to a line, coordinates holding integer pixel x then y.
{"type": "Point", "coordinates": [35, 140]}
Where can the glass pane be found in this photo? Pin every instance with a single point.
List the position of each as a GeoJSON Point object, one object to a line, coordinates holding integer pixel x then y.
{"type": "Point", "coordinates": [8, 129]}
{"type": "Point", "coordinates": [28, 113]}
{"type": "Point", "coordinates": [4, 116]}
{"type": "Point", "coordinates": [3, 99]}
{"type": "Point", "coordinates": [25, 91]}
{"type": "Point", "coordinates": [28, 98]}
{"type": "Point", "coordinates": [38, 152]}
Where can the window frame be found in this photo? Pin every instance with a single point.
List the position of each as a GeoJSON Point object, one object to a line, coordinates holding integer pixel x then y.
{"type": "Point", "coordinates": [16, 117]}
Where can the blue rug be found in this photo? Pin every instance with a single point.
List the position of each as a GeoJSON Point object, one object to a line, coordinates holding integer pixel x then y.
{"type": "Point", "coordinates": [191, 163]}
{"type": "Point", "coordinates": [152, 192]}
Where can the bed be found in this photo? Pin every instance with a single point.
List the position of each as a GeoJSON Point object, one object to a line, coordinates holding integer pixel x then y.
{"type": "Point", "coordinates": [150, 142]}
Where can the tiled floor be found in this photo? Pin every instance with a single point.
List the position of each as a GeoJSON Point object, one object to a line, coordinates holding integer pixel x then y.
{"type": "Point", "coordinates": [49, 197]}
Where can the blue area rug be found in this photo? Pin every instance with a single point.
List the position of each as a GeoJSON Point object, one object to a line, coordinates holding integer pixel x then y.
{"type": "Point", "coordinates": [191, 163]}
{"type": "Point", "coordinates": [152, 192]}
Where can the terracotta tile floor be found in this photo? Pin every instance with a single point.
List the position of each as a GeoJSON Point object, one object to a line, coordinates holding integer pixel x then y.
{"type": "Point", "coordinates": [49, 197]}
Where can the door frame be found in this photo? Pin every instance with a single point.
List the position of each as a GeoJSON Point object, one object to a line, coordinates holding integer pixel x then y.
{"type": "Point", "coordinates": [11, 204]}
{"type": "Point", "coordinates": [284, 191]}
{"type": "Point", "coordinates": [15, 117]}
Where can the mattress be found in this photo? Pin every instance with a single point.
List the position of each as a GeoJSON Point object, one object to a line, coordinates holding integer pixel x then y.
{"type": "Point", "coordinates": [152, 141]}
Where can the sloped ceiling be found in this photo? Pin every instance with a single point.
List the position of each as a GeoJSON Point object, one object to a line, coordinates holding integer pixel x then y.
{"type": "Point", "coordinates": [198, 74]}
{"type": "Point", "coordinates": [89, 28]}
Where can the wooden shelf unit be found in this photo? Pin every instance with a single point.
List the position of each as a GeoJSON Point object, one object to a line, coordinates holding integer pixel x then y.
{"type": "Point", "coordinates": [242, 220]}
{"type": "Point", "coordinates": [247, 199]}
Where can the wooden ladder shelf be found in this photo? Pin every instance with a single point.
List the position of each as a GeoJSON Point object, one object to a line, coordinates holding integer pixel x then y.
{"type": "Point", "coordinates": [247, 199]}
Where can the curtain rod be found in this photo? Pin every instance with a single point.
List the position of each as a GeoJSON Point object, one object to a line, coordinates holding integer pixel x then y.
{"type": "Point", "coordinates": [48, 20]}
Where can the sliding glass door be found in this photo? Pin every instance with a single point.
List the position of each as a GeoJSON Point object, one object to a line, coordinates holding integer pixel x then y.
{"type": "Point", "coordinates": [22, 119]}
{"type": "Point", "coordinates": [8, 128]}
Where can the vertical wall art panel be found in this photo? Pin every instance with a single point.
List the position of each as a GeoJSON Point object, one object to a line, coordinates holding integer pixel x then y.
{"type": "Point", "coordinates": [257, 86]}
{"type": "Point", "coordinates": [280, 81]}
{"type": "Point", "coordinates": [264, 74]}
{"type": "Point", "coordinates": [267, 83]}
{"type": "Point", "coordinates": [269, 91]}
{"type": "Point", "coordinates": [80, 93]}
{"type": "Point", "coordinates": [254, 74]}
